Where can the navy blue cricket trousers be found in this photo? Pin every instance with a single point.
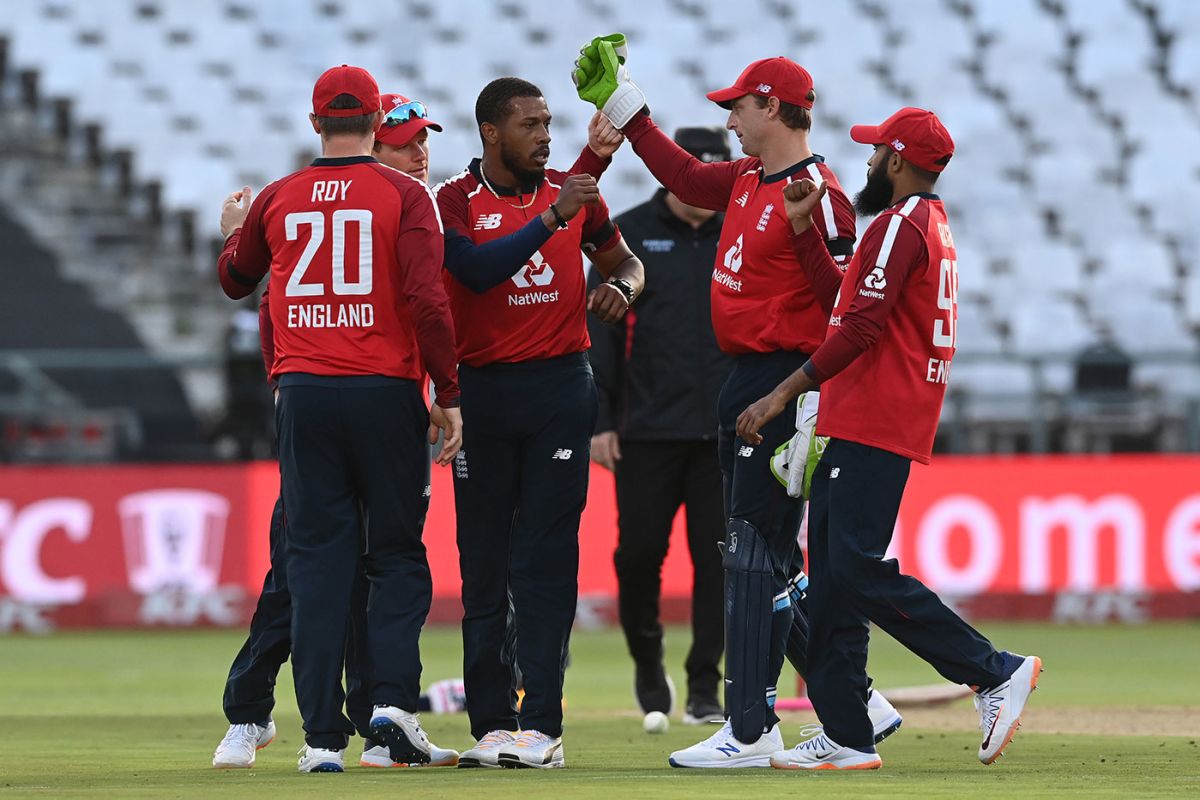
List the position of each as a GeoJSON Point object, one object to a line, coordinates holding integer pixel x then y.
{"type": "Point", "coordinates": [856, 491]}
{"type": "Point", "coordinates": [520, 485]}
{"type": "Point", "coordinates": [250, 687]}
{"type": "Point", "coordinates": [350, 446]}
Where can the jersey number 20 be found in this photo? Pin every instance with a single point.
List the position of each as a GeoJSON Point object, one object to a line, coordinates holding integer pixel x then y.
{"type": "Point", "coordinates": [316, 222]}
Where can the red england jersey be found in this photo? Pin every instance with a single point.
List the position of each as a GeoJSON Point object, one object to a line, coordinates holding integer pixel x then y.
{"type": "Point", "coordinates": [761, 300]}
{"type": "Point", "coordinates": [354, 251]}
{"type": "Point", "coordinates": [884, 368]}
{"type": "Point", "coordinates": [539, 312]}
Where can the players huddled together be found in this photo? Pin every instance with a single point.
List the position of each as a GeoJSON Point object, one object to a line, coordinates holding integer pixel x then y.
{"type": "Point", "coordinates": [377, 285]}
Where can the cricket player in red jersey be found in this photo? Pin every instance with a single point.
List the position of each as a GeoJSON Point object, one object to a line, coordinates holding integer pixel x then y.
{"type": "Point", "coordinates": [766, 314]}
{"type": "Point", "coordinates": [359, 315]}
{"type": "Point", "coordinates": [402, 143]}
{"type": "Point", "coordinates": [883, 371]}
{"type": "Point", "coordinates": [514, 235]}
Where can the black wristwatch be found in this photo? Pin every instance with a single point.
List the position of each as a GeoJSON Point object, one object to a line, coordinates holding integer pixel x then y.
{"type": "Point", "coordinates": [624, 287]}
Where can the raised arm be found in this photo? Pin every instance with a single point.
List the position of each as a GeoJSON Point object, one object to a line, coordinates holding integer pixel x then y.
{"type": "Point", "coordinates": [800, 200]}
{"type": "Point", "coordinates": [245, 258]}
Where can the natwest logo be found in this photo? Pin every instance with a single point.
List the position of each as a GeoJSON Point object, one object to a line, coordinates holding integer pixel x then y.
{"type": "Point", "coordinates": [536, 272]}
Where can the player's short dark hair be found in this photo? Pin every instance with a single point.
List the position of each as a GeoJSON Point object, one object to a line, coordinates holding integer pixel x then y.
{"type": "Point", "coordinates": [495, 101]}
{"type": "Point", "coordinates": [795, 117]}
{"type": "Point", "coordinates": [338, 126]}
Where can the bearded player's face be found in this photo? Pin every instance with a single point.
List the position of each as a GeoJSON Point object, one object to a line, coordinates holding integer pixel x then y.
{"type": "Point", "coordinates": [877, 194]}
{"type": "Point", "coordinates": [525, 138]}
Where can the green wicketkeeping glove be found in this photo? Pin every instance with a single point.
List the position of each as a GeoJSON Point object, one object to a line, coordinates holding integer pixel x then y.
{"type": "Point", "coordinates": [602, 79]}
{"type": "Point", "coordinates": [796, 459]}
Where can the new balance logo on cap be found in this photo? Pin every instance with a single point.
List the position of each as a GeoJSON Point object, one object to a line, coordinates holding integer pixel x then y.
{"type": "Point", "coordinates": [562, 455]}
{"type": "Point", "coordinates": [764, 87]}
{"type": "Point", "coordinates": [488, 222]}
{"type": "Point", "coordinates": [897, 145]}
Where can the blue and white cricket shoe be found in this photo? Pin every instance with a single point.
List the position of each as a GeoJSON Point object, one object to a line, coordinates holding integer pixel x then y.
{"type": "Point", "coordinates": [401, 733]}
{"type": "Point", "coordinates": [722, 750]}
{"type": "Point", "coordinates": [885, 719]}
{"type": "Point", "coordinates": [318, 759]}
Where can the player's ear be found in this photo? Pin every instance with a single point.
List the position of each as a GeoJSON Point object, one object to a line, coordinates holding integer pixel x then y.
{"type": "Point", "coordinates": [312, 118]}
{"type": "Point", "coordinates": [378, 123]}
{"type": "Point", "coordinates": [489, 132]}
{"type": "Point", "coordinates": [773, 107]}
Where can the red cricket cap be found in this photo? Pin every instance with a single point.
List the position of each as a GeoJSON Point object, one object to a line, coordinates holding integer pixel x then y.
{"type": "Point", "coordinates": [917, 135]}
{"type": "Point", "coordinates": [354, 81]}
{"type": "Point", "coordinates": [771, 77]}
{"type": "Point", "coordinates": [403, 119]}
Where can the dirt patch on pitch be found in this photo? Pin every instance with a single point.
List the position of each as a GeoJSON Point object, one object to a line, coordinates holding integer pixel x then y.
{"type": "Point", "coordinates": [1144, 721]}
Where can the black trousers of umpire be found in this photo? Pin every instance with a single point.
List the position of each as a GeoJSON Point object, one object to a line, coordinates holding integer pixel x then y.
{"type": "Point", "coordinates": [520, 484]}
{"type": "Point", "coordinates": [654, 478]}
{"type": "Point", "coordinates": [754, 495]}
{"type": "Point", "coordinates": [351, 445]}
{"type": "Point", "coordinates": [250, 687]}
{"type": "Point", "coordinates": [856, 491]}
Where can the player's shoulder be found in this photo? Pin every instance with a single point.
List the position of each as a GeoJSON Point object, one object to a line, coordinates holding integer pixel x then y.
{"type": "Point", "coordinates": [274, 187]}
{"type": "Point", "coordinates": [820, 167]}
{"type": "Point", "coordinates": [747, 167]}
{"type": "Point", "coordinates": [556, 177]}
{"type": "Point", "coordinates": [464, 183]}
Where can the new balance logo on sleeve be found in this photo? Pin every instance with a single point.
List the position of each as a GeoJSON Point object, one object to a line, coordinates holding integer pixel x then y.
{"type": "Point", "coordinates": [562, 455]}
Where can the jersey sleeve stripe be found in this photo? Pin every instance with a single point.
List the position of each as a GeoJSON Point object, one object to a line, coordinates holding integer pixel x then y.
{"type": "Point", "coordinates": [831, 231]}
{"type": "Point", "coordinates": [893, 228]}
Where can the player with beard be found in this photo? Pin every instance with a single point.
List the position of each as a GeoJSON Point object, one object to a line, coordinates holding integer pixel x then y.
{"type": "Point", "coordinates": [883, 371]}
{"type": "Point", "coordinates": [514, 271]}
{"type": "Point", "coordinates": [767, 316]}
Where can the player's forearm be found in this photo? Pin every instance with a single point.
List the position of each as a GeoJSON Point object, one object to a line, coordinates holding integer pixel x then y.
{"type": "Point", "coordinates": [628, 269]}
{"type": "Point", "coordinates": [819, 267]}
{"type": "Point", "coordinates": [235, 282]}
{"type": "Point", "coordinates": [481, 267]}
{"type": "Point", "coordinates": [589, 163]}
{"type": "Point", "coordinates": [685, 176]}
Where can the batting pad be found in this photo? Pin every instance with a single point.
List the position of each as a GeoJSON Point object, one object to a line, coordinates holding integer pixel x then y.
{"type": "Point", "coordinates": [749, 612]}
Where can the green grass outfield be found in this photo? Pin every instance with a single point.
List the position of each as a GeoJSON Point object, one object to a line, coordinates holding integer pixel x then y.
{"type": "Point", "coordinates": [138, 715]}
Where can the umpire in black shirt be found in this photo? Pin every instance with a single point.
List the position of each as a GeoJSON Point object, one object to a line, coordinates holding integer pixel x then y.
{"type": "Point", "coordinates": [659, 373]}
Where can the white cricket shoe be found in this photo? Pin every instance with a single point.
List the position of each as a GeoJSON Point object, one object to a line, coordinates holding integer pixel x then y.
{"type": "Point", "coordinates": [821, 752]}
{"type": "Point", "coordinates": [885, 719]}
{"type": "Point", "coordinates": [318, 759]}
{"type": "Point", "coordinates": [1000, 708]}
{"type": "Point", "coordinates": [722, 750]}
{"type": "Point", "coordinates": [241, 743]}
{"type": "Point", "coordinates": [377, 755]}
{"type": "Point", "coordinates": [486, 750]}
{"type": "Point", "coordinates": [533, 750]}
{"type": "Point", "coordinates": [400, 733]}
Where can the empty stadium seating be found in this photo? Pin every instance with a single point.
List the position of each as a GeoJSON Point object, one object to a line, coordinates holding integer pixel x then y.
{"type": "Point", "coordinates": [1072, 194]}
